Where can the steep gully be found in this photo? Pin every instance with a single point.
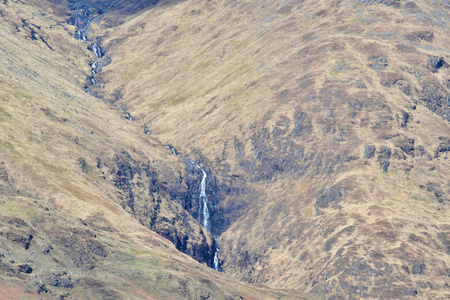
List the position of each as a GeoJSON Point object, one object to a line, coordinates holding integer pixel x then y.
{"type": "Point", "coordinates": [203, 211]}
{"type": "Point", "coordinates": [82, 20]}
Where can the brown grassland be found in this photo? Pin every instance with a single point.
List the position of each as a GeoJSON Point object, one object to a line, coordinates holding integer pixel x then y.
{"type": "Point", "coordinates": [325, 125]}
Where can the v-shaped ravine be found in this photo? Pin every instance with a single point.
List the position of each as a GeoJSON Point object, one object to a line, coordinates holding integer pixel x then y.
{"type": "Point", "coordinates": [203, 215]}
{"type": "Point", "coordinates": [84, 15]}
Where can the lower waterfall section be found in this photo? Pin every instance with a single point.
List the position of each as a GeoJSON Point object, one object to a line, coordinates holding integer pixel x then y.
{"type": "Point", "coordinates": [204, 212]}
{"type": "Point", "coordinates": [216, 263]}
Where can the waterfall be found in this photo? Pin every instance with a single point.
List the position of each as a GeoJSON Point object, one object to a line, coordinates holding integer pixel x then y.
{"type": "Point", "coordinates": [94, 67]}
{"type": "Point", "coordinates": [203, 210]}
{"type": "Point", "coordinates": [97, 50]}
{"type": "Point", "coordinates": [216, 257]}
{"type": "Point", "coordinates": [82, 22]}
{"type": "Point", "coordinates": [203, 214]}
{"type": "Point", "coordinates": [172, 149]}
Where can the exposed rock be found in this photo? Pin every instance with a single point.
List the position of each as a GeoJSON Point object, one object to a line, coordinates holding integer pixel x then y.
{"type": "Point", "coordinates": [443, 147]}
{"type": "Point", "coordinates": [369, 152]}
{"type": "Point", "coordinates": [61, 280]}
{"type": "Point", "coordinates": [3, 173]}
{"type": "Point", "coordinates": [418, 269]}
{"type": "Point", "coordinates": [435, 63]}
{"type": "Point", "coordinates": [379, 63]}
{"type": "Point", "coordinates": [141, 191]}
{"type": "Point", "coordinates": [332, 195]}
{"type": "Point", "coordinates": [82, 164]}
{"type": "Point", "coordinates": [97, 248]}
{"type": "Point", "coordinates": [46, 249]}
{"type": "Point", "coordinates": [406, 145]}
{"type": "Point", "coordinates": [25, 269]}
{"type": "Point", "coordinates": [437, 99]}
{"type": "Point", "coordinates": [426, 36]}
{"type": "Point", "coordinates": [25, 240]}
{"type": "Point", "coordinates": [404, 119]}
{"type": "Point", "coordinates": [383, 158]}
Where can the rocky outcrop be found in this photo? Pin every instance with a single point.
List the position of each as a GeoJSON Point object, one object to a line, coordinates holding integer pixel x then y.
{"type": "Point", "coordinates": [168, 207]}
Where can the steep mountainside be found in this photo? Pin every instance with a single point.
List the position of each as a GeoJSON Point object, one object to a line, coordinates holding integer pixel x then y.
{"type": "Point", "coordinates": [317, 133]}
{"type": "Point", "coordinates": [325, 123]}
{"type": "Point", "coordinates": [81, 185]}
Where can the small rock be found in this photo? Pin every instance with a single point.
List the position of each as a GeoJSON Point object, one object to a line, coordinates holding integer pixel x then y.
{"type": "Point", "coordinates": [369, 152]}
{"type": "Point", "coordinates": [435, 63]}
{"type": "Point", "coordinates": [25, 269]}
{"type": "Point", "coordinates": [385, 165]}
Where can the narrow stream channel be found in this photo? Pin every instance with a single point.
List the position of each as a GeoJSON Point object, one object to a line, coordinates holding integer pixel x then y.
{"type": "Point", "coordinates": [82, 19]}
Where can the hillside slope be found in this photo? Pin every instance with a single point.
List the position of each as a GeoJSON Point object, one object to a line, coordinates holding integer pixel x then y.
{"type": "Point", "coordinates": [324, 125]}
{"type": "Point", "coordinates": [82, 187]}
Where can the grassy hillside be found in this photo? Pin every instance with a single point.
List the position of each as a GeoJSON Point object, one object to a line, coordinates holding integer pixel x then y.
{"type": "Point", "coordinates": [325, 123]}
{"type": "Point", "coordinates": [81, 186]}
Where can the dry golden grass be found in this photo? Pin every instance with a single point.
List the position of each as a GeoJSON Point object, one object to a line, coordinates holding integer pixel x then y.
{"type": "Point", "coordinates": [204, 74]}
{"type": "Point", "coordinates": [48, 122]}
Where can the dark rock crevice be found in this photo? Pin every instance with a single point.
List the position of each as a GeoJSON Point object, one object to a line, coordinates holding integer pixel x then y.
{"type": "Point", "coordinates": [156, 202]}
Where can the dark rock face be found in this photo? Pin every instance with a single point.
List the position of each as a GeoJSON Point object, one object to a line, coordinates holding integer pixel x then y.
{"type": "Point", "coordinates": [436, 190]}
{"type": "Point", "coordinates": [3, 173]}
{"type": "Point", "coordinates": [437, 99]}
{"type": "Point", "coordinates": [358, 275]}
{"type": "Point", "coordinates": [61, 280]}
{"type": "Point", "coordinates": [24, 240]}
{"type": "Point", "coordinates": [82, 164]}
{"type": "Point", "coordinates": [325, 197]}
{"type": "Point", "coordinates": [420, 36]}
{"type": "Point", "coordinates": [46, 249]}
{"type": "Point", "coordinates": [97, 248]}
{"type": "Point", "coordinates": [141, 191]}
{"type": "Point", "coordinates": [118, 6]}
{"type": "Point", "coordinates": [418, 269]}
{"type": "Point", "coordinates": [383, 158]}
{"type": "Point", "coordinates": [189, 199]}
{"type": "Point", "coordinates": [407, 146]}
{"type": "Point", "coordinates": [369, 152]}
{"type": "Point", "coordinates": [435, 63]}
{"type": "Point", "coordinates": [25, 269]}
{"type": "Point", "coordinates": [379, 63]}
{"type": "Point", "coordinates": [278, 151]}
{"type": "Point", "coordinates": [405, 119]}
{"type": "Point", "coordinates": [444, 146]}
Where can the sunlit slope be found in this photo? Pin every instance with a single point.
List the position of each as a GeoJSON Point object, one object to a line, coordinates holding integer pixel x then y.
{"type": "Point", "coordinates": [329, 118]}
{"type": "Point", "coordinates": [67, 145]}
{"type": "Point", "coordinates": [65, 227]}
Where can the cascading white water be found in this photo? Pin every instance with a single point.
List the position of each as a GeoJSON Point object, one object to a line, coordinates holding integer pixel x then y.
{"type": "Point", "coordinates": [203, 211]}
{"type": "Point", "coordinates": [172, 149]}
{"type": "Point", "coordinates": [94, 67]}
{"type": "Point", "coordinates": [82, 23]}
{"type": "Point", "coordinates": [97, 50]}
{"type": "Point", "coordinates": [216, 258]}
